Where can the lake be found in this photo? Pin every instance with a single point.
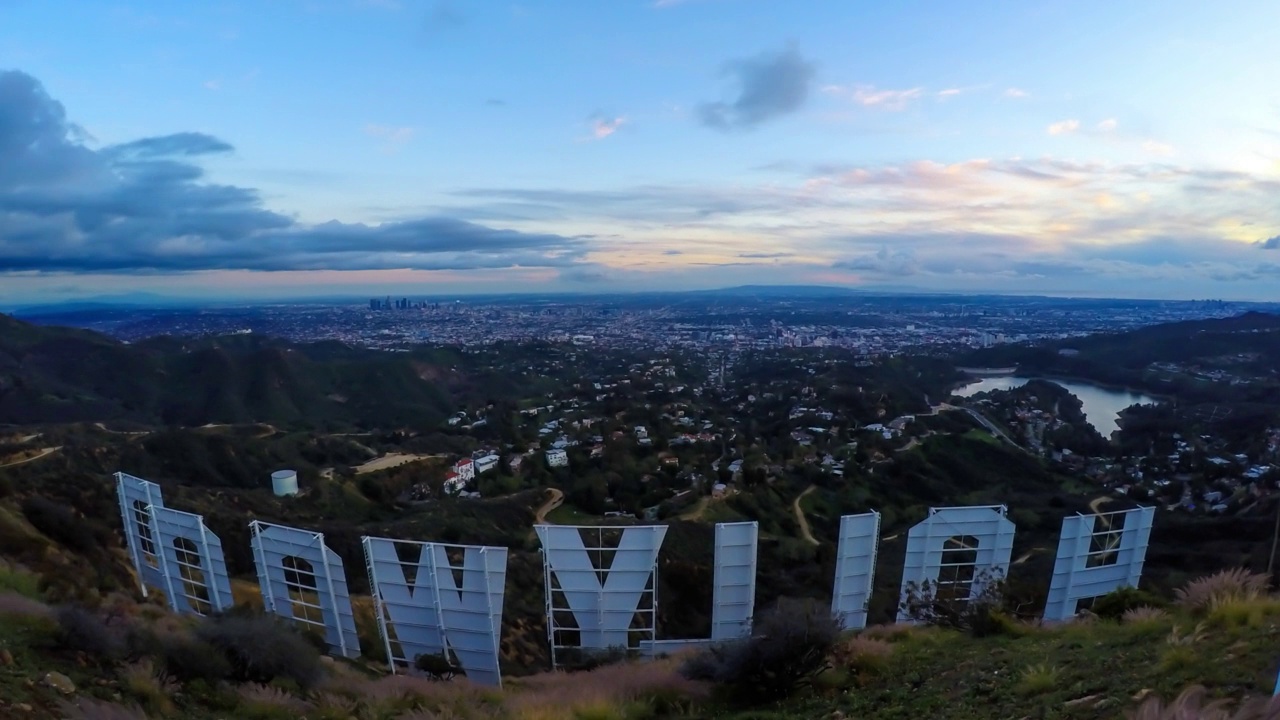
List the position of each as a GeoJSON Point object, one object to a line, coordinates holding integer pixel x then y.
{"type": "Point", "coordinates": [1101, 405]}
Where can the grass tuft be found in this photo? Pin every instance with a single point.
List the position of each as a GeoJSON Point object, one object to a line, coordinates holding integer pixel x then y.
{"type": "Point", "coordinates": [1038, 679]}
{"type": "Point", "coordinates": [1236, 584]}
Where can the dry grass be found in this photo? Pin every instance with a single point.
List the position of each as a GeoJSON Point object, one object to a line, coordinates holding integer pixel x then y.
{"type": "Point", "coordinates": [862, 655]}
{"type": "Point", "coordinates": [263, 702]}
{"type": "Point", "coordinates": [90, 709]}
{"type": "Point", "coordinates": [891, 633]}
{"type": "Point", "coordinates": [153, 689]}
{"type": "Point", "coordinates": [1234, 585]}
{"type": "Point", "coordinates": [1243, 612]}
{"type": "Point", "coordinates": [1192, 705]}
{"type": "Point", "coordinates": [606, 692]}
{"type": "Point", "coordinates": [14, 604]}
{"type": "Point", "coordinates": [1143, 615]}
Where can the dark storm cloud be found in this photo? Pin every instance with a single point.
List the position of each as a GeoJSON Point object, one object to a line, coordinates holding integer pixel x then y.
{"type": "Point", "coordinates": [769, 85]}
{"type": "Point", "coordinates": [145, 206]}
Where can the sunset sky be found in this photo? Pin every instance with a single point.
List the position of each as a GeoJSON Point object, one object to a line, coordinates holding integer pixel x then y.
{"type": "Point", "coordinates": [280, 148]}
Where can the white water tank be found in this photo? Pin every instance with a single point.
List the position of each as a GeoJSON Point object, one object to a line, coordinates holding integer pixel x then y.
{"type": "Point", "coordinates": [284, 482]}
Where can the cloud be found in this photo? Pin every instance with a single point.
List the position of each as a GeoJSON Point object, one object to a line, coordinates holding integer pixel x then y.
{"type": "Point", "coordinates": [1016, 93]}
{"type": "Point", "coordinates": [769, 86]}
{"type": "Point", "coordinates": [214, 85]}
{"type": "Point", "coordinates": [1063, 127]}
{"type": "Point", "coordinates": [495, 102]}
{"type": "Point", "coordinates": [900, 264]}
{"type": "Point", "coordinates": [187, 144]}
{"type": "Point", "coordinates": [442, 16]}
{"type": "Point", "coordinates": [394, 137]}
{"type": "Point", "coordinates": [1158, 148]}
{"type": "Point", "coordinates": [603, 126]}
{"type": "Point", "coordinates": [146, 207]}
{"type": "Point", "coordinates": [869, 96]}
{"type": "Point", "coordinates": [1108, 125]}
{"type": "Point", "coordinates": [1270, 243]}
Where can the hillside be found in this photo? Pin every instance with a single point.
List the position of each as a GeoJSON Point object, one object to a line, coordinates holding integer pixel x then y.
{"type": "Point", "coordinates": [131, 662]}
{"type": "Point", "coordinates": [1174, 358]}
{"type": "Point", "coordinates": [60, 375]}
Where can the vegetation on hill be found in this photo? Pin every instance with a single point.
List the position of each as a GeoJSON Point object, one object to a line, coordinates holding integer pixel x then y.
{"type": "Point", "coordinates": [117, 659]}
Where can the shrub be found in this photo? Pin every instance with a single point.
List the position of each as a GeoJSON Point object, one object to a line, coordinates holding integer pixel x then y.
{"type": "Point", "coordinates": [861, 655]}
{"type": "Point", "coordinates": [188, 658]}
{"type": "Point", "coordinates": [787, 650]}
{"type": "Point", "coordinates": [974, 608]}
{"type": "Point", "coordinates": [149, 687]}
{"type": "Point", "coordinates": [583, 659]}
{"type": "Point", "coordinates": [261, 648]}
{"type": "Point", "coordinates": [87, 632]}
{"type": "Point", "coordinates": [59, 523]}
{"type": "Point", "coordinates": [1251, 612]}
{"type": "Point", "coordinates": [1236, 584]}
{"type": "Point", "coordinates": [1038, 679]}
{"type": "Point", "coordinates": [18, 581]}
{"type": "Point", "coordinates": [436, 667]}
{"type": "Point", "coordinates": [1116, 603]}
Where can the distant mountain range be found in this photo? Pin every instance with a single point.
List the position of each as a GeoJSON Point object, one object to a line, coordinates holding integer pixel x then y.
{"type": "Point", "coordinates": [54, 374]}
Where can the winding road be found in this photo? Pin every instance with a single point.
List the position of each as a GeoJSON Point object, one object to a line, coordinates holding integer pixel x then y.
{"type": "Point", "coordinates": [804, 522]}
{"type": "Point", "coordinates": [46, 452]}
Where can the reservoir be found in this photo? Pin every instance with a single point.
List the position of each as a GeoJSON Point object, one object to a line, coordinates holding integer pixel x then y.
{"type": "Point", "coordinates": [1101, 405]}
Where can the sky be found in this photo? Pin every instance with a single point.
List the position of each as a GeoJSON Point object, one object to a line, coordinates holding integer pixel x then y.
{"type": "Point", "coordinates": [291, 148]}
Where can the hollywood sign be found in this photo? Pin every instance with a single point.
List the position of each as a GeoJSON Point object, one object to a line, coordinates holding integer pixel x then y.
{"type": "Point", "coordinates": [600, 582]}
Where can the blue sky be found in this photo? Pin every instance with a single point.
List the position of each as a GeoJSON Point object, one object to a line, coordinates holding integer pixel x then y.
{"type": "Point", "coordinates": [270, 149]}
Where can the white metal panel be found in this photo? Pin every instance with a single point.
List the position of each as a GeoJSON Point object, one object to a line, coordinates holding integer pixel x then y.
{"type": "Point", "coordinates": [193, 566]}
{"type": "Point", "coordinates": [137, 497]}
{"type": "Point", "coordinates": [302, 579]}
{"type": "Point", "coordinates": [604, 612]}
{"type": "Point", "coordinates": [1093, 560]}
{"type": "Point", "coordinates": [927, 541]}
{"type": "Point", "coordinates": [855, 568]}
{"type": "Point", "coordinates": [426, 610]}
{"type": "Point", "coordinates": [734, 592]}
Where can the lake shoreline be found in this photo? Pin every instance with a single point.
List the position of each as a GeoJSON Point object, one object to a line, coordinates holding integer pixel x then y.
{"type": "Point", "coordinates": [1104, 405]}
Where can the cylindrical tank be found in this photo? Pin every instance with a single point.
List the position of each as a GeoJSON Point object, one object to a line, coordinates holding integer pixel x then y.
{"type": "Point", "coordinates": [284, 482]}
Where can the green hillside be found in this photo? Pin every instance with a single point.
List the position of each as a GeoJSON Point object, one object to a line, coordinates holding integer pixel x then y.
{"type": "Point", "coordinates": [59, 375]}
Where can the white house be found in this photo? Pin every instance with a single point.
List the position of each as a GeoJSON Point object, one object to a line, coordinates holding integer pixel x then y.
{"type": "Point", "coordinates": [466, 469]}
{"type": "Point", "coordinates": [557, 458]}
{"type": "Point", "coordinates": [453, 483]}
{"type": "Point", "coordinates": [486, 463]}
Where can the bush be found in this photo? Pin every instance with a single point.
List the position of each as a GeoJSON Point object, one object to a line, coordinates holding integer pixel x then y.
{"type": "Point", "coordinates": [187, 658]}
{"type": "Point", "coordinates": [787, 650]}
{"type": "Point", "coordinates": [87, 632]}
{"type": "Point", "coordinates": [59, 523]}
{"type": "Point", "coordinates": [1144, 615]}
{"type": "Point", "coordinates": [1116, 603]}
{"type": "Point", "coordinates": [974, 608]}
{"type": "Point", "coordinates": [437, 667]}
{"type": "Point", "coordinates": [862, 655]}
{"type": "Point", "coordinates": [261, 648]}
{"type": "Point", "coordinates": [20, 582]}
{"type": "Point", "coordinates": [1236, 584]}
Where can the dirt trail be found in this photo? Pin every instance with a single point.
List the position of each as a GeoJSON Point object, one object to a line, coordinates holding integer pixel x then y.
{"type": "Point", "coordinates": [698, 509]}
{"type": "Point", "coordinates": [553, 502]}
{"type": "Point", "coordinates": [804, 522]}
{"type": "Point", "coordinates": [46, 452]}
{"type": "Point", "coordinates": [389, 461]}
{"type": "Point", "coordinates": [104, 428]}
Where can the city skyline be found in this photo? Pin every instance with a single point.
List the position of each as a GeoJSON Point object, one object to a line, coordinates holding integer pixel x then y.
{"type": "Point", "coordinates": [452, 148]}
